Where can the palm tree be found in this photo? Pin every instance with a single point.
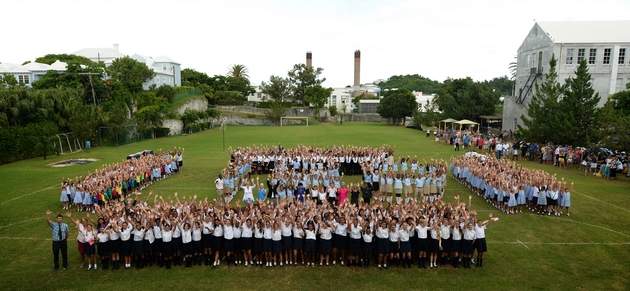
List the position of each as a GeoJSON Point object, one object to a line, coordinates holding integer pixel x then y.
{"type": "Point", "coordinates": [238, 71]}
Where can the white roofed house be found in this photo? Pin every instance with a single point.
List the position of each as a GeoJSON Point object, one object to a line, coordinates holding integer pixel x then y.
{"type": "Point", "coordinates": [30, 72]}
{"type": "Point", "coordinates": [167, 71]}
{"type": "Point", "coordinates": [604, 45]}
{"type": "Point", "coordinates": [341, 98]}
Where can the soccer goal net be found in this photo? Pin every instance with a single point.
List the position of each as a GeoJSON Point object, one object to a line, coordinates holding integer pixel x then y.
{"type": "Point", "coordinates": [293, 120]}
{"type": "Point", "coordinates": [67, 143]}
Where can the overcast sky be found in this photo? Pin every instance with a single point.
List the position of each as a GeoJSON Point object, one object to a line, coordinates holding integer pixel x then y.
{"type": "Point", "coordinates": [437, 39]}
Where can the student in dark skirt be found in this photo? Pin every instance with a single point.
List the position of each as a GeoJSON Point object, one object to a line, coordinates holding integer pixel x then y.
{"type": "Point", "coordinates": [367, 244]}
{"type": "Point", "coordinates": [276, 244]}
{"type": "Point", "coordinates": [456, 243]}
{"type": "Point", "coordinates": [167, 244]}
{"type": "Point", "coordinates": [310, 241]}
{"type": "Point", "coordinates": [217, 241]}
{"type": "Point", "coordinates": [382, 243]}
{"type": "Point", "coordinates": [422, 234]}
{"type": "Point", "coordinates": [157, 244]}
{"type": "Point", "coordinates": [228, 240]}
{"type": "Point", "coordinates": [114, 242]}
{"type": "Point", "coordinates": [197, 243]}
{"type": "Point", "coordinates": [434, 245]}
{"type": "Point", "coordinates": [103, 248]}
{"type": "Point", "coordinates": [286, 229]}
{"type": "Point", "coordinates": [340, 240]}
{"type": "Point", "coordinates": [238, 242]}
{"type": "Point", "coordinates": [468, 244]}
{"type": "Point", "coordinates": [325, 242]}
{"type": "Point", "coordinates": [354, 243]}
{"type": "Point", "coordinates": [247, 242]}
{"type": "Point", "coordinates": [206, 239]}
{"type": "Point", "coordinates": [187, 245]}
{"type": "Point", "coordinates": [138, 245]}
{"type": "Point", "coordinates": [298, 242]}
{"type": "Point", "coordinates": [406, 230]}
{"type": "Point", "coordinates": [259, 255]}
{"type": "Point", "coordinates": [394, 242]}
{"type": "Point", "coordinates": [126, 243]}
{"type": "Point", "coordinates": [445, 241]}
{"type": "Point", "coordinates": [267, 243]}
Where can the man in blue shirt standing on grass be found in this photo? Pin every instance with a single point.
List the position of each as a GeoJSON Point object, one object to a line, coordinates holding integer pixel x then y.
{"type": "Point", "coordinates": [60, 232]}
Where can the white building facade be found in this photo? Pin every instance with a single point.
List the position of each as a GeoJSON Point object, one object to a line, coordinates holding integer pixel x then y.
{"type": "Point", "coordinates": [341, 98]}
{"type": "Point", "coordinates": [604, 45]}
{"type": "Point", "coordinates": [167, 71]}
{"type": "Point", "coordinates": [29, 73]}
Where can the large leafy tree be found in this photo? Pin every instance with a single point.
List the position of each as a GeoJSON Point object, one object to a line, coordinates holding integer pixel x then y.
{"type": "Point", "coordinates": [466, 99]}
{"type": "Point", "coordinates": [546, 120]}
{"type": "Point", "coordinates": [193, 78]}
{"type": "Point", "coordinates": [317, 96]}
{"type": "Point", "coordinates": [397, 104]}
{"type": "Point", "coordinates": [580, 102]}
{"type": "Point", "coordinates": [502, 85]}
{"type": "Point", "coordinates": [412, 83]}
{"type": "Point", "coordinates": [303, 77]}
{"type": "Point", "coordinates": [278, 88]}
{"type": "Point", "coordinates": [130, 73]}
{"type": "Point", "coordinates": [613, 121]}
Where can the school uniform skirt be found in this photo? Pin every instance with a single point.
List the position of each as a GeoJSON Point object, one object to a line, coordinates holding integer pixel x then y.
{"type": "Point", "coordinates": [187, 248]}
{"type": "Point", "coordinates": [309, 246]}
{"type": "Point", "coordinates": [167, 248]}
{"type": "Point", "coordinates": [456, 245]}
{"type": "Point", "coordinates": [125, 247]}
{"type": "Point", "coordinates": [324, 246]}
{"type": "Point", "coordinates": [405, 246]}
{"type": "Point", "coordinates": [228, 245]}
{"type": "Point", "coordinates": [376, 186]}
{"type": "Point", "coordinates": [178, 245]}
{"type": "Point", "coordinates": [552, 202]}
{"type": "Point", "coordinates": [206, 241]}
{"type": "Point", "coordinates": [382, 246]}
{"type": "Point", "coordinates": [287, 243]}
{"type": "Point", "coordinates": [90, 249]}
{"type": "Point", "coordinates": [367, 248]}
{"type": "Point", "coordinates": [480, 245]}
{"type": "Point", "coordinates": [196, 246]}
{"type": "Point", "coordinates": [114, 246]}
{"type": "Point", "coordinates": [258, 245]}
{"type": "Point", "coordinates": [434, 245]}
{"type": "Point", "coordinates": [238, 244]}
{"type": "Point", "coordinates": [467, 246]}
{"type": "Point", "coordinates": [298, 243]}
{"type": "Point", "coordinates": [267, 245]}
{"type": "Point", "coordinates": [216, 243]}
{"type": "Point", "coordinates": [247, 243]}
{"type": "Point", "coordinates": [138, 248]}
{"type": "Point", "coordinates": [340, 242]}
{"type": "Point", "coordinates": [276, 246]}
{"type": "Point", "coordinates": [354, 246]}
{"type": "Point", "coordinates": [394, 247]}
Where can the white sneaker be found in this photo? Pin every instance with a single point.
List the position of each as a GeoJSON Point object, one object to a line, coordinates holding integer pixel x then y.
{"type": "Point", "coordinates": [95, 267]}
{"type": "Point", "coordinates": [245, 263]}
{"type": "Point", "coordinates": [89, 267]}
{"type": "Point", "coordinates": [280, 264]}
{"type": "Point", "coordinates": [334, 262]}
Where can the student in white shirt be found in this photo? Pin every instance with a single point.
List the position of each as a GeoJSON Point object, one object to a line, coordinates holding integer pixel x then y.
{"type": "Point", "coordinates": [206, 237]}
{"type": "Point", "coordinates": [468, 244]}
{"type": "Point", "coordinates": [257, 252]}
{"type": "Point", "coordinates": [354, 242]}
{"type": "Point", "coordinates": [196, 242]}
{"type": "Point", "coordinates": [186, 231]}
{"type": "Point", "coordinates": [138, 245]}
{"type": "Point", "coordinates": [405, 232]}
{"type": "Point", "coordinates": [103, 248]}
{"type": "Point", "coordinates": [325, 242]}
{"type": "Point", "coordinates": [423, 243]}
{"type": "Point", "coordinates": [340, 240]}
{"type": "Point", "coordinates": [167, 244]}
{"type": "Point", "coordinates": [126, 243]}
{"type": "Point", "coordinates": [276, 244]}
{"type": "Point", "coordinates": [382, 243]}
{"type": "Point", "coordinates": [298, 241]}
{"type": "Point", "coordinates": [247, 241]}
{"type": "Point", "coordinates": [310, 239]}
{"type": "Point", "coordinates": [367, 245]}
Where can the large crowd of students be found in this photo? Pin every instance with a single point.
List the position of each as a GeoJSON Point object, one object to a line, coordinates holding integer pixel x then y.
{"type": "Point", "coordinates": [510, 187]}
{"type": "Point", "coordinates": [117, 180]}
{"type": "Point", "coordinates": [305, 213]}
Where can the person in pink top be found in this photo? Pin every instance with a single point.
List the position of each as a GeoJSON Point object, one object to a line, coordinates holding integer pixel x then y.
{"type": "Point", "coordinates": [342, 194]}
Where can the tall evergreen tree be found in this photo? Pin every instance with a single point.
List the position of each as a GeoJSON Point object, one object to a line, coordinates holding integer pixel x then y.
{"type": "Point", "coordinates": [545, 121]}
{"type": "Point", "coordinates": [580, 103]}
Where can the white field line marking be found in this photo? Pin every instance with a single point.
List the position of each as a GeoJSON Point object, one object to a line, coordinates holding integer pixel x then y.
{"type": "Point", "coordinates": [584, 223]}
{"type": "Point", "coordinates": [23, 238]}
{"type": "Point", "coordinates": [525, 243]}
{"type": "Point", "coordinates": [602, 201]}
{"type": "Point", "coordinates": [27, 194]}
{"type": "Point", "coordinates": [19, 222]}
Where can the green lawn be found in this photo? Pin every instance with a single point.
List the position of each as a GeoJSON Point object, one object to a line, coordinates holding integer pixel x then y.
{"type": "Point", "coordinates": [589, 250]}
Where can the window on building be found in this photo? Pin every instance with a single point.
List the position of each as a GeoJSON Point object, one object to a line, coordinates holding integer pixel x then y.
{"type": "Point", "coordinates": [592, 56]}
{"type": "Point", "coordinates": [581, 53]}
{"type": "Point", "coordinates": [622, 56]}
{"type": "Point", "coordinates": [607, 56]}
{"type": "Point", "coordinates": [24, 79]}
{"type": "Point", "coordinates": [570, 55]}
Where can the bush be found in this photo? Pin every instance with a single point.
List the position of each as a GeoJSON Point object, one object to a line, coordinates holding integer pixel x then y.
{"type": "Point", "coordinates": [32, 140]}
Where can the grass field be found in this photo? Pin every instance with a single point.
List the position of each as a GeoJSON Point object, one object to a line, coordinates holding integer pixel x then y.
{"type": "Point", "coordinates": [589, 250]}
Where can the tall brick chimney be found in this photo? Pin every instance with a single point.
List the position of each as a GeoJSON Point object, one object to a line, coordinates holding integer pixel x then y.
{"type": "Point", "coordinates": [309, 59]}
{"type": "Point", "coordinates": [357, 68]}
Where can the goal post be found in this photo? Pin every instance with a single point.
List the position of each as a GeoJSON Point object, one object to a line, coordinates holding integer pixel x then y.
{"type": "Point", "coordinates": [284, 118]}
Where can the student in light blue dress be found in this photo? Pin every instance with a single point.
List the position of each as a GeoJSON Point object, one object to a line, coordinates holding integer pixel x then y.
{"type": "Point", "coordinates": [78, 200]}
{"type": "Point", "coordinates": [512, 202]}
{"type": "Point", "coordinates": [64, 198]}
{"type": "Point", "coordinates": [542, 200]}
{"type": "Point", "coordinates": [404, 166]}
{"type": "Point", "coordinates": [262, 192]}
{"type": "Point", "coordinates": [566, 199]}
{"type": "Point", "coordinates": [87, 201]}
